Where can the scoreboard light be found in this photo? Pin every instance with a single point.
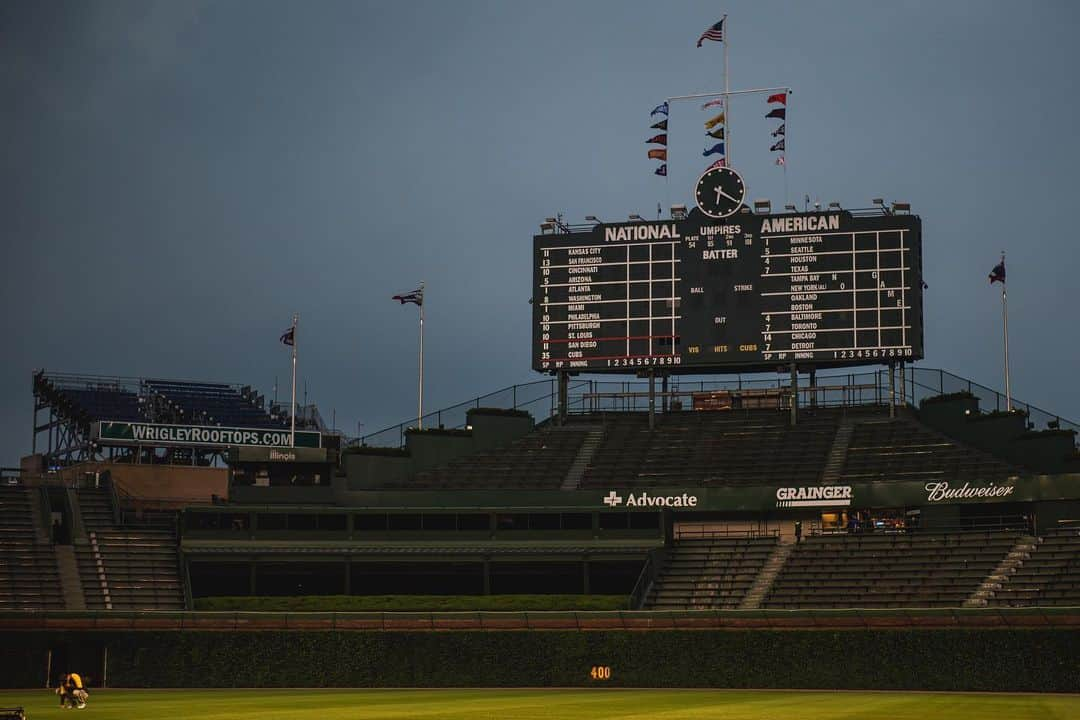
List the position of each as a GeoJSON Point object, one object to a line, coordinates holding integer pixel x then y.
{"type": "Point", "coordinates": [738, 292]}
{"type": "Point", "coordinates": [763, 207]}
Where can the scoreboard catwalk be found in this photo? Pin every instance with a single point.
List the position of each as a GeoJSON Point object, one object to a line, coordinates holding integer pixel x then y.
{"type": "Point", "coordinates": [748, 292]}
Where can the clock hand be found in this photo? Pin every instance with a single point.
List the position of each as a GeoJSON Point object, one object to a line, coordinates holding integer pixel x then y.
{"type": "Point", "coordinates": [721, 192]}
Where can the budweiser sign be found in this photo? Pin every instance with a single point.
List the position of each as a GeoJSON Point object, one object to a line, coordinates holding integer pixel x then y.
{"type": "Point", "coordinates": [938, 491]}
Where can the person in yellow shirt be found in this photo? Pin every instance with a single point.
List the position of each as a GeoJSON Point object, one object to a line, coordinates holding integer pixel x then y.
{"type": "Point", "coordinates": [71, 691]}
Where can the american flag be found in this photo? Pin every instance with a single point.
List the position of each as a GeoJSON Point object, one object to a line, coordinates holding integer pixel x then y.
{"type": "Point", "coordinates": [416, 297]}
{"type": "Point", "coordinates": [289, 336]}
{"type": "Point", "coordinates": [716, 32]}
{"type": "Point", "coordinates": [998, 273]}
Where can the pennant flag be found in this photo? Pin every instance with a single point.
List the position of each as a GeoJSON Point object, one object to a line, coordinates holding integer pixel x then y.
{"type": "Point", "coordinates": [416, 297]}
{"type": "Point", "coordinates": [780, 130]}
{"type": "Point", "coordinates": [289, 336]}
{"type": "Point", "coordinates": [662, 170]}
{"type": "Point", "coordinates": [713, 103]}
{"type": "Point", "coordinates": [718, 133]}
{"type": "Point", "coordinates": [778, 97]}
{"type": "Point", "coordinates": [717, 148]}
{"type": "Point", "coordinates": [658, 139]}
{"type": "Point", "coordinates": [778, 146]}
{"type": "Point", "coordinates": [715, 32]}
{"type": "Point", "coordinates": [777, 113]}
{"type": "Point", "coordinates": [662, 125]}
{"type": "Point", "coordinates": [998, 273]}
{"type": "Point", "coordinates": [711, 122]}
{"type": "Point", "coordinates": [781, 161]}
{"type": "Point", "coordinates": [719, 163]}
{"type": "Point", "coordinates": [658, 154]}
{"type": "Point", "coordinates": [661, 109]}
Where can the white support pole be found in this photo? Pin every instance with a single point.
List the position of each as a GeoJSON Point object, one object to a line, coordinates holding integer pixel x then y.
{"type": "Point", "coordinates": [1005, 332]}
{"type": "Point", "coordinates": [420, 410]}
{"type": "Point", "coordinates": [292, 413]}
{"type": "Point", "coordinates": [727, 95]}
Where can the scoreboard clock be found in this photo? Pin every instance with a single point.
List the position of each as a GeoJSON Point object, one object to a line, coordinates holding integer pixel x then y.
{"type": "Point", "coordinates": [720, 192]}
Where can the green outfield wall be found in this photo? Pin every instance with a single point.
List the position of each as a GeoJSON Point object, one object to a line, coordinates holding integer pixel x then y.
{"type": "Point", "coordinates": [994, 660]}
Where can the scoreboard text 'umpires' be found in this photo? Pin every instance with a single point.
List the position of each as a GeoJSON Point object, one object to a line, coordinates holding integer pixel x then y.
{"type": "Point", "coordinates": [743, 293]}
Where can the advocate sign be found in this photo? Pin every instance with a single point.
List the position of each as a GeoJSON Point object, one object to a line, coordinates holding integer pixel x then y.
{"type": "Point", "coordinates": [155, 434]}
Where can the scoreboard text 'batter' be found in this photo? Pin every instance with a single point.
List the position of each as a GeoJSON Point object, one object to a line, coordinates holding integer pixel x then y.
{"type": "Point", "coordinates": [749, 292]}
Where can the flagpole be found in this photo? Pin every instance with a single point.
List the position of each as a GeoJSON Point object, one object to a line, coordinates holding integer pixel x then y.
{"type": "Point", "coordinates": [727, 96]}
{"type": "Point", "coordinates": [1005, 330]}
{"type": "Point", "coordinates": [420, 411]}
{"type": "Point", "coordinates": [292, 413]}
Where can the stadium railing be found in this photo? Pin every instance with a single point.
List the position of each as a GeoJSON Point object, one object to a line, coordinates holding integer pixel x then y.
{"type": "Point", "coordinates": [836, 390]}
{"type": "Point", "coordinates": [546, 620]}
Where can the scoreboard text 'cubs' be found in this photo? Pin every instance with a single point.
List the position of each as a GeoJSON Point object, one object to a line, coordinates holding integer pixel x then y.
{"type": "Point", "coordinates": [741, 292]}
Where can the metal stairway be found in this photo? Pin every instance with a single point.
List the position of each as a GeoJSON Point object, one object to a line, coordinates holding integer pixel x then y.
{"type": "Point", "coordinates": [765, 579]}
{"type": "Point", "coordinates": [1020, 552]}
{"type": "Point", "coordinates": [838, 452]}
{"type": "Point", "coordinates": [585, 454]}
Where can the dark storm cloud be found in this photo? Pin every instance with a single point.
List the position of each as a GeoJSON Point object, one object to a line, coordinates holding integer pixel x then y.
{"type": "Point", "coordinates": [180, 177]}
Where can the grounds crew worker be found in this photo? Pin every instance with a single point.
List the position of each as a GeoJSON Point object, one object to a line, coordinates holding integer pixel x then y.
{"type": "Point", "coordinates": [71, 691]}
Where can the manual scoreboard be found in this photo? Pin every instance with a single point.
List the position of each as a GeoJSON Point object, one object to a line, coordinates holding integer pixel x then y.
{"type": "Point", "coordinates": [743, 292]}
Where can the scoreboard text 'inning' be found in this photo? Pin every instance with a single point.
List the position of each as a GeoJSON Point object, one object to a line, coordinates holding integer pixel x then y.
{"type": "Point", "coordinates": [743, 293]}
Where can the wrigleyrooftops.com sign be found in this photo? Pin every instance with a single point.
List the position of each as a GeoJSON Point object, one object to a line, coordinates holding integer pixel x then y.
{"type": "Point", "coordinates": [155, 434]}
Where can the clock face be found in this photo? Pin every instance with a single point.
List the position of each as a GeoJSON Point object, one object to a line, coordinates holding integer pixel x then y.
{"type": "Point", "coordinates": [720, 192]}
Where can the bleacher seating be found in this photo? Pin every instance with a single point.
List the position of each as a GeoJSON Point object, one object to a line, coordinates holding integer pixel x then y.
{"type": "Point", "coordinates": [1050, 576]}
{"type": "Point", "coordinates": [541, 459]}
{"type": "Point", "coordinates": [28, 575]}
{"type": "Point", "coordinates": [104, 403]}
{"type": "Point", "coordinates": [712, 448]}
{"type": "Point", "coordinates": [879, 570]}
{"type": "Point", "coordinates": [723, 448]}
{"type": "Point", "coordinates": [212, 404]}
{"type": "Point", "coordinates": [902, 449]}
{"type": "Point", "coordinates": [709, 573]}
{"type": "Point", "coordinates": [138, 566]}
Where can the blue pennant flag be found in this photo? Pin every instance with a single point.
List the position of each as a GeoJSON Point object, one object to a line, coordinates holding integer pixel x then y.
{"type": "Point", "coordinates": [662, 170]}
{"type": "Point", "coordinates": [661, 109]}
{"type": "Point", "coordinates": [717, 148]}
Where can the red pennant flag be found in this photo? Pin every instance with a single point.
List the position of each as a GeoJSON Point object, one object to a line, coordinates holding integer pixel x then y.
{"type": "Point", "coordinates": [660, 139]}
{"type": "Point", "coordinates": [658, 154]}
{"type": "Point", "coordinates": [778, 97]}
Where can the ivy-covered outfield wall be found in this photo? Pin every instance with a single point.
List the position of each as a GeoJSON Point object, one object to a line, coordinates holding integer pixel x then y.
{"type": "Point", "coordinates": [961, 659]}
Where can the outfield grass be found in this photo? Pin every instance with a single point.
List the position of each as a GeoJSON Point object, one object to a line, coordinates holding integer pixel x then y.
{"type": "Point", "coordinates": [545, 704]}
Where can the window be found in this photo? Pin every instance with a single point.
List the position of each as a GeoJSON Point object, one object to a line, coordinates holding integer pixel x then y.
{"type": "Point", "coordinates": [614, 521]}
{"type": "Point", "coordinates": [405, 522]}
{"type": "Point", "coordinates": [368, 523]}
{"type": "Point", "coordinates": [440, 521]}
{"type": "Point", "coordinates": [271, 521]}
{"type": "Point", "coordinates": [474, 522]}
